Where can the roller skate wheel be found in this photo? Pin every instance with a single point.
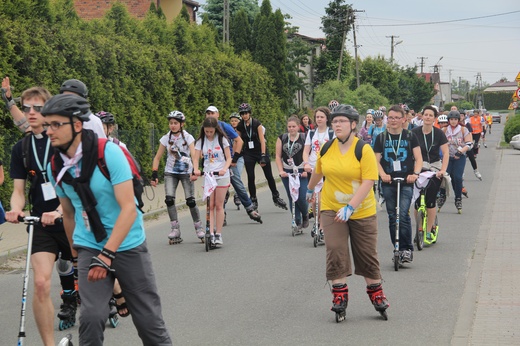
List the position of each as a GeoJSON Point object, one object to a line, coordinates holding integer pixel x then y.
{"type": "Point", "coordinates": [340, 317]}
{"type": "Point", "coordinates": [114, 321]}
{"type": "Point", "coordinates": [173, 241]}
{"type": "Point", "coordinates": [65, 324]}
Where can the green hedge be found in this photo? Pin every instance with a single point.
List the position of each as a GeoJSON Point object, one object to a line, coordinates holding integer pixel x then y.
{"type": "Point", "coordinates": [512, 128]}
{"type": "Point", "coordinates": [497, 100]}
{"type": "Point", "coordinates": [139, 70]}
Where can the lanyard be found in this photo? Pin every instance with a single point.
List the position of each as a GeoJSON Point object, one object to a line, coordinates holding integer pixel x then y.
{"type": "Point", "coordinates": [398, 144]}
{"type": "Point", "coordinates": [291, 147]}
{"type": "Point", "coordinates": [426, 145]}
{"type": "Point", "coordinates": [37, 159]}
{"type": "Point", "coordinates": [250, 133]}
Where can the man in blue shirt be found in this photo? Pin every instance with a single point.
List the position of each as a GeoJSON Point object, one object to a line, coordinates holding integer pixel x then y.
{"type": "Point", "coordinates": [103, 224]}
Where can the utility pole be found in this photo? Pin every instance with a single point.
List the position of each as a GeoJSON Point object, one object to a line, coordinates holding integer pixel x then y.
{"type": "Point", "coordinates": [348, 20]}
{"type": "Point", "coordinates": [356, 46]}
{"type": "Point", "coordinates": [479, 98]}
{"type": "Point", "coordinates": [225, 22]}
{"type": "Point", "coordinates": [392, 45]}
{"type": "Point", "coordinates": [346, 24]}
{"type": "Point", "coordinates": [422, 62]}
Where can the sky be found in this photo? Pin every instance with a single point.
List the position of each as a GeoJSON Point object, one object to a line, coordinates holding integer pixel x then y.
{"type": "Point", "coordinates": [464, 47]}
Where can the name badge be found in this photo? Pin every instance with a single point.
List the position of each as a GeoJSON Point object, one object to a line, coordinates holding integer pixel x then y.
{"type": "Point", "coordinates": [48, 191]}
{"type": "Point", "coordinates": [251, 144]}
{"type": "Point", "coordinates": [397, 166]}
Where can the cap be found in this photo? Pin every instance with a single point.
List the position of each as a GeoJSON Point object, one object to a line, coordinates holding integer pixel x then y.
{"type": "Point", "coordinates": [212, 109]}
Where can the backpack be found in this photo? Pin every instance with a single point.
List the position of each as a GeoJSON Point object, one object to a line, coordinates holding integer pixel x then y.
{"type": "Point", "coordinates": [358, 150]}
{"type": "Point", "coordinates": [331, 134]}
{"type": "Point", "coordinates": [32, 176]}
{"type": "Point", "coordinates": [137, 174]}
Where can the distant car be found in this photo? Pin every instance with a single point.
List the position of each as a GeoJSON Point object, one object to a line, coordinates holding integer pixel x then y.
{"type": "Point", "coordinates": [515, 142]}
{"type": "Point", "coordinates": [497, 117]}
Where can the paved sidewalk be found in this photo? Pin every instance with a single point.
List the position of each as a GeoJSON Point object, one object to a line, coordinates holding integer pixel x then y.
{"type": "Point", "coordinates": [490, 308]}
{"type": "Point", "coordinates": [13, 238]}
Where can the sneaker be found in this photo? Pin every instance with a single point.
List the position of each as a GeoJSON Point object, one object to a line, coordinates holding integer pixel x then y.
{"type": "Point", "coordinates": [429, 236]}
{"type": "Point", "coordinates": [218, 239]}
{"type": "Point", "coordinates": [212, 239]}
{"type": "Point", "coordinates": [381, 201]}
{"type": "Point", "coordinates": [465, 192]}
{"type": "Point", "coordinates": [477, 174]}
{"type": "Point", "coordinates": [485, 145]}
{"type": "Point", "coordinates": [407, 256]}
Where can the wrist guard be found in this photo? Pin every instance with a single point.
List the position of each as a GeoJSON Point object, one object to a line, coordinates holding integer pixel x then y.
{"type": "Point", "coordinates": [98, 262]}
{"type": "Point", "coordinates": [155, 175]}
{"type": "Point", "coordinates": [108, 253]}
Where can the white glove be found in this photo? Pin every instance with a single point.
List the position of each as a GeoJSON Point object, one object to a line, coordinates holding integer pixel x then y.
{"type": "Point", "coordinates": [344, 213]}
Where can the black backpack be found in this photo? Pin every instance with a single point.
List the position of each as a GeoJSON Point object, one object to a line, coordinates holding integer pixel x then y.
{"type": "Point", "coordinates": [358, 150]}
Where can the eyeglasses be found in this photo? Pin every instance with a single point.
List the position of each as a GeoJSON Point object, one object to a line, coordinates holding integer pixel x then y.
{"type": "Point", "coordinates": [394, 119]}
{"type": "Point", "coordinates": [339, 121]}
{"type": "Point", "coordinates": [27, 108]}
{"type": "Point", "coordinates": [54, 125]}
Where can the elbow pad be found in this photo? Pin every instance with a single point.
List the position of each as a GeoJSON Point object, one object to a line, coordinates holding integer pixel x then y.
{"type": "Point", "coordinates": [470, 145]}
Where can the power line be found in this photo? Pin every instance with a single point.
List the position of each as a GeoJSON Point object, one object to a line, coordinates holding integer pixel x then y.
{"type": "Point", "coordinates": [449, 21]}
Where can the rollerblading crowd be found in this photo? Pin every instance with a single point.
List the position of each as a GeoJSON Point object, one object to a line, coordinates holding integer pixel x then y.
{"type": "Point", "coordinates": [339, 166]}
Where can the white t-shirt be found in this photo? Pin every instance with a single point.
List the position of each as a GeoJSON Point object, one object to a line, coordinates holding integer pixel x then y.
{"type": "Point", "coordinates": [95, 125]}
{"type": "Point", "coordinates": [316, 142]}
{"type": "Point", "coordinates": [178, 160]}
{"type": "Point", "coordinates": [213, 155]}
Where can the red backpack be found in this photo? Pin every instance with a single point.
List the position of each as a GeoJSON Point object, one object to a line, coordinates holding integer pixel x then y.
{"type": "Point", "coordinates": [137, 174]}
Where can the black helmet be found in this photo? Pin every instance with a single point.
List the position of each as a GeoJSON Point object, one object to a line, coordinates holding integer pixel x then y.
{"type": "Point", "coordinates": [76, 86]}
{"type": "Point", "coordinates": [453, 115]}
{"type": "Point", "coordinates": [244, 108]}
{"type": "Point", "coordinates": [345, 110]}
{"type": "Point", "coordinates": [69, 105]}
{"type": "Point", "coordinates": [106, 117]}
{"type": "Point", "coordinates": [179, 116]}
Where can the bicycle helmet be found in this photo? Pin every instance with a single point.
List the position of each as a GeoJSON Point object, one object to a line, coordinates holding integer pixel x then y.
{"type": "Point", "coordinates": [75, 86]}
{"type": "Point", "coordinates": [345, 110]}
{"type": "Point", "coordinates": [443, 118]}
{"type": "Point", "coordinates": [244, 108]}
{"type": "Point", "coordinates": [378, 115]}
{"type": "Point", "coordinates": [453, 115]}
{"type": "Point", "coordinates": [106, 117]}
{"type": "Point", "coordinates": [370, 111]}
{"type": "Point", "coordinates": [179, 116]}
{"type": "Point", "coordinates": [236, 116]}
{"type": "Point", "coordinates": [405, 107]}
{"type": "Point", "coordinates": [69, 105]}
{"type": "Point", "coordinates": [382, 109]}
{"type": "Point", "coordinates": [333, 104]}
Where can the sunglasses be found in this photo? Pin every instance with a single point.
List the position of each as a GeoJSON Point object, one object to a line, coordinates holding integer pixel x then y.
{"type": "Point", "coordinates": [27, 108]}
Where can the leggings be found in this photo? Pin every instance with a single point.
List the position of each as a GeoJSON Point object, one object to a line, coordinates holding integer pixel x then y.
{"type": "Point", "coordinates": [251, 181]}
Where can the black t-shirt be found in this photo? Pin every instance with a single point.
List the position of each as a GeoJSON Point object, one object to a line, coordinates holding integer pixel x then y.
{"type": "Point", "coordinates": [391, 150]}
{"type": "Point", "coordinates": [292, 150]}
{"type": "Point", "coordinates": [430, 152]}
{"type": "Point", "coordinates": [18, 171]}
{"type": "Point", "coordinates": [250, 134]}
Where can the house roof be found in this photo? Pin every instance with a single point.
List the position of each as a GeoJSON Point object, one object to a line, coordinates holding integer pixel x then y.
{"type": "Point", "coordinates": [502, 86]}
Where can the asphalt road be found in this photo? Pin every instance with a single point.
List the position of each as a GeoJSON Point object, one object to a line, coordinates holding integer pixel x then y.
{"type": "Point", "coordinates": [265, 287]}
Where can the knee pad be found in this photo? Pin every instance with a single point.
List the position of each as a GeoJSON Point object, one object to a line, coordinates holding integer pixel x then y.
{"type": "Point", "coordinates": [64, 267]}
{"type": "Point", "coordinates": [170, 201]}
{"type": "Point", "coordinates": [190, 202]}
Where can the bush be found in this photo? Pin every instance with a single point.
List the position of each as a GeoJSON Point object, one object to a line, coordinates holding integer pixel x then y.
{"type": "Point", "coordinates": [512, 128]}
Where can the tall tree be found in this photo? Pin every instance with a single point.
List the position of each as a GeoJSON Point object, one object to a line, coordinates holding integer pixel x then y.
{"type": "Point", "coordinates": [215, 11]}
{"type": "Point", "coordinates": [240, 32]}
{"type": "Point", "coordinates": [270, 49]}
{"type": "Point", "coordinates": [336, 24]}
